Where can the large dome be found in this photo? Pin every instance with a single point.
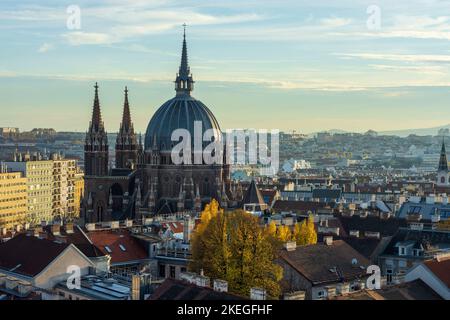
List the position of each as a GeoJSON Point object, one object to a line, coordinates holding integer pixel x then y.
{"type": "Point", "coordinates": [178, 113]}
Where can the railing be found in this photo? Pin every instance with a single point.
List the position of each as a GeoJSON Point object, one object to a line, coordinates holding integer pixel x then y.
{"type": "Point", "coordinates": [181, 254]}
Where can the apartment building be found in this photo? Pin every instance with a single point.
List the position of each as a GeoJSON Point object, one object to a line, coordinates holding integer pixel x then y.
{"type": "Point", "coordinates": [13, 198]}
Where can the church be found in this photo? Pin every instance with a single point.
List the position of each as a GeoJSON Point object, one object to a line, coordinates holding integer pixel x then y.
{"type": "Point", "coordinates": [144, 181]}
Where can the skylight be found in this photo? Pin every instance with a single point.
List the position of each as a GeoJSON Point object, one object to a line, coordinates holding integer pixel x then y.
{"type": "Point", "coordinates": [108, 249]}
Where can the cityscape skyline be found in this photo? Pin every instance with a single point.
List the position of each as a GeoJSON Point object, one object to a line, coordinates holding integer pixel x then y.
{"type": "Point", "coordinates": [255, 60]}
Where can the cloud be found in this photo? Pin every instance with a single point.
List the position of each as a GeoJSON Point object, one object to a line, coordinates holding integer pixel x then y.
{"type": "Point", "coordinates": [422, 69]}
{"type": "Point", "coordinates": [77, 38]}
{"type": "Point", "coordinates": [335, 22]}
{"type": "Point", "coordinates": [429, 58]}
{"type": "Point", "coordinates": [45, 47]}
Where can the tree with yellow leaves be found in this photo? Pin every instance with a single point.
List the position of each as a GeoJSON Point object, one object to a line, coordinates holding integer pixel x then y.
{"type": "Point", "coordinates": [304, 232]}
{"type": "Point", "coordinates": [198, 246]}
{"type": "Point", "coordinates": [234, 247]}
{"type": "Point", "coordinates": [284, 233]}
{"type": "Point", "coordinates": [311, 234]}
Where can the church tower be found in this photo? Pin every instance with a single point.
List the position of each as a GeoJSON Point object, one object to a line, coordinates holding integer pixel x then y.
{"type": "Point", "coordinates": [126, 142]}
{"type": "Point", "coordinates": [96, 143]}
{"type": "Point", "coordinates": [443, 177]}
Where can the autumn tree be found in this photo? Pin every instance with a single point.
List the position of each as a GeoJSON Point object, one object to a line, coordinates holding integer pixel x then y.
{"type": "Point", "coordinates": [305, 232]}
{"type": "Point", "coordinates": [233, 247]}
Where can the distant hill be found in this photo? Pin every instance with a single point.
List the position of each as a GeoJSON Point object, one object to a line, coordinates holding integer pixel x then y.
{"type": "Point", "coordinates": [420, 132]}
{"type": "Point", "coordinates": [434, 131]}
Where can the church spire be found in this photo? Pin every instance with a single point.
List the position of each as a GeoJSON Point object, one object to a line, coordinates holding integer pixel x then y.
{"type": "Point", "coordinates": [127, 148]}
{"type": "Point", "coordinates": [126, 117]}
{"type": "Point", "coordinates": [96, 123]}
{"type": "Point", "coordinates": [443, 163]}
{"type": "Point", "coordinates": [184, 83]}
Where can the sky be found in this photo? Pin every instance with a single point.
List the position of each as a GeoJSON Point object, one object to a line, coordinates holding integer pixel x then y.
{"type": "Point", "coordinates": [271, 64]}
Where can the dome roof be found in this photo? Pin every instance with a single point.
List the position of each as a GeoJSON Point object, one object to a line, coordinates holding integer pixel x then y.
{"type": "Point", "coordinates": [178, 113]}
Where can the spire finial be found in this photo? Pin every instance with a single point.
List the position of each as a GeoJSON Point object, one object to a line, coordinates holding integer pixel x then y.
{"type": "Point", "coordinates": [184, 81]}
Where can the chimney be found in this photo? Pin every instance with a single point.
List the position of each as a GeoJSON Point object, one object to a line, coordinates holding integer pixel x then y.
{"type": "Point", "coordinates": [290, 246]}
{"type": "Point", "coordinates": [220, 285]}
{"type": "Point", "coordinates": [69, 227]}
{"type": "Point", "coordinates": [128, 223]}
{"type": "Point", "coordinates": [257, 294]}
{"type": "Point", "coordinates": [331, 291]}
{"type": "Point", "coordinates": [344, 288]}
{"type": "Point", "coordinates": [187, 228]}
{"type": "Point", "coordinates": [328, 240]}
{"type": "Point", "coordinates": [354, 233]}
{"type": "Point", "coordinates": [201, 280]}
{"type": "Point", "coordinates": [135, 287]}
{"type": "Point", "coordinates": [90, 226]}
{"type": "Point", "coordinates": [296, 295]}
{"type": "Point", "coordinates": [56, 229]}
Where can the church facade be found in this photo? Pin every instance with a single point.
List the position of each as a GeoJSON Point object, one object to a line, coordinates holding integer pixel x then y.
{"type": "Point", "coordinates": [144, 180]}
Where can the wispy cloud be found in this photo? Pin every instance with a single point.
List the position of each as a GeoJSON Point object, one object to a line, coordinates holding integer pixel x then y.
{"type": "Point", "coordinates": [45, 47]}
{"type": "Point", "coordinates": [431, 58]}
{"type": "Point", "coordinates": [335, 22]}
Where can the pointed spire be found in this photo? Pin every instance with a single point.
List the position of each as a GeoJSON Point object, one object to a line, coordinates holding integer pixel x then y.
{"type": "Point", "coordinates": [96, 123]}
{"type": "Point", "coordinates": [443, 163]}
{"type": "Point", "coordinates": [126, 116]}
{"type": "Point", "coordinates": [184, 83]}
{"type": "Point", "coordinates": [184, 66]}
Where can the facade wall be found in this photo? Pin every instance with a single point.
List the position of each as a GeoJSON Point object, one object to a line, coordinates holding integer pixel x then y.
{"type": "Point", "coordinates": [13, 200]}
{"type": "Point", "coordinates": [57, 271]}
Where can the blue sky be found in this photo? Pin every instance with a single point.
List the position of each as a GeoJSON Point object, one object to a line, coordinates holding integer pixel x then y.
{"type": "Point", "coordinates": [291, 65]}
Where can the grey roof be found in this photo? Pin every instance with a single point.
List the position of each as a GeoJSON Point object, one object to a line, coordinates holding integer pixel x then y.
{"type": "Point", "coordinates": [253, 195]}
{"type": "Point", "coordinates": [425, 209]}
{"type": "Point", "coordinates": [178, 113]}
{"type": "Point", "coordinates": [428, 239]}
{"type": "Point", "coordinates": [321, 263]}
{"type": "Point", "coordinates": [327, 193]}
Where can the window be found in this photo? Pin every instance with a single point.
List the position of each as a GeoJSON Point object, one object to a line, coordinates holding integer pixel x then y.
{"type": "Point", "coordinates": [389, 276]}
{"type": "Point", "coordinates": [172, 271]}
{"type": "Point", "coordinates": [162, 270]}
{"type": "Point", "coordinates": [108, 249]}
{"type": "Point", "coordinates": [122, 247]}
{"type": "Point", "coordinates": [402, 251]}
{"type": "Point", "coordinates": [321, 294]}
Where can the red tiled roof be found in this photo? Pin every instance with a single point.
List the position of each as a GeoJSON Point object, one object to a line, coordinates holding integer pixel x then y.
{"type": "Point", "coordinates": [114, 239]}
{"type": "Point", "coordinates": [441, 269]}
{"type": "Point", "coordinates": [28, 255]}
